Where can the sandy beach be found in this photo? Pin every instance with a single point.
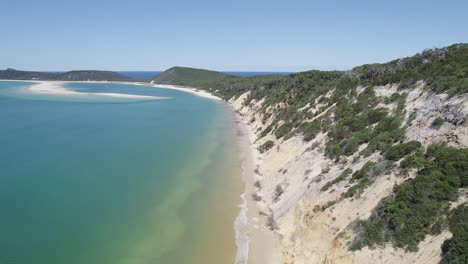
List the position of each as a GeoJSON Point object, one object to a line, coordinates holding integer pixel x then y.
{"type": "Point", "coordinates": [254, 236]}
{"type": "Point", "coordinates": [187, 89]}
{"type": "Point", "coordinates": [58, 88]}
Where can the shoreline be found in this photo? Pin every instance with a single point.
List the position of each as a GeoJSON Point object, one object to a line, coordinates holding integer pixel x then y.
{"type": "Point", "coordinates": [57, 88]}
{"type": "Point", "coordinates": [255, 243]}
{"type": "Point", "coordinates": [186, 89]}
{"type": "Point", "coordinates": [63, 91]}
{"type": "Point", "coordinates": [259, 240]}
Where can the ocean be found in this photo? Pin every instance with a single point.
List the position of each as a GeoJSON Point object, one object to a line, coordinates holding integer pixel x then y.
{"type": "Point", "coordinates": [95, 180]}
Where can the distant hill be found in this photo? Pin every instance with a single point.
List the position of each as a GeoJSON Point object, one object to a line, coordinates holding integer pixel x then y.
{"type": "Point", "coordinates": [88, 75]}
{"type": "Point", "coordinates": [12, 74]}
{"type": "Point", "coordinates": [91, 76]}
{"type": "Point", "coordinates": [211, 80]}
{"type": "Point", "coordinates": [189, 76]}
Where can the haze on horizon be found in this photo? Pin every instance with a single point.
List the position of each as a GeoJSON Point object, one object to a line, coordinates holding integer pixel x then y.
{"type": "Point", "coordinates": [227, 36]}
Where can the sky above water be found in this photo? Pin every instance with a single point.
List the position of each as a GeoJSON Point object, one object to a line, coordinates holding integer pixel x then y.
{"type": "Point", "coordinates": [237, 35]}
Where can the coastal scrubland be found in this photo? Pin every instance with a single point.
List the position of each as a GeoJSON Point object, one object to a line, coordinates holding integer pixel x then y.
{"type": "Point", "coordinates": [372, 162]}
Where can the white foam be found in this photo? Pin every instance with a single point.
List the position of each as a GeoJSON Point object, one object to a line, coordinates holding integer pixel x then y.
{"type": "Point", "coordinates": [242, 235]}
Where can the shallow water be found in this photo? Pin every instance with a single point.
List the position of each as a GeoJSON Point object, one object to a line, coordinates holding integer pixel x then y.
{"type": "Point", "coordinates": [116, 181]}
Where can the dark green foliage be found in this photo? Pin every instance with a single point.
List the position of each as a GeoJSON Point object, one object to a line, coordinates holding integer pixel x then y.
{"type": "Point", "coordinates": [266, 131]}
{"type": "Point", "coordinates": [408, 215]}
{"type": "Point", "coordinates": [362, 178]}
{"type": "Point", "coordinates": [283, 130]}
{"type": "Point", "coordinates": [411, 118]}
{"type": "Point", "coordinates": [311, 129]}
{"type": "Point", "coordinates": [352, 125]}
{"type": "Point", "coordinates": [11, 74]}
{"type": "Point", "coordinates": [417, 160]}
{"type": "Point", "coordinates": [266, 146]}
{"type": "Point", "coordinates": [443, 69]}
{"type": "Point", "coordinates": [437, 123]}
{"type": "Point", "coordinates": [338, 179]}
{"type": "Point", "coordinates": [375, 115]}
{"type": "Point", "coordinates": [398, 151]}
{"type": "Point", "coordinates": [456, 250]}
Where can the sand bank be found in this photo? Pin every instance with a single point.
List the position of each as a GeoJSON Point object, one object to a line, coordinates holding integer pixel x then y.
{"type": "Point", "coordinates": [58, 88]}
{"type": "Point", "coordinates": [187, 89]}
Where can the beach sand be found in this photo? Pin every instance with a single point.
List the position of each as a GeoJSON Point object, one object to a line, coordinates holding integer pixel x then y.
{"type": "Point", "coordinates": [261, 242]}
{"type": "Point", "coordinates": [187, 89]}
{"type": "Point", "coordinates": [58, 88]}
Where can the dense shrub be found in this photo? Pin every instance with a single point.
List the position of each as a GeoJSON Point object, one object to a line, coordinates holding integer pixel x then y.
{"type": "Point", "coordinates": [283, 130]}
{"type": "Point", "coordinates": [266, 146]}
{"type": "Point", "coordinates": [338, 179]}
{"type": "Point", "coordinates": [407, 216]}
{"type": "Point", "coordinates": [398, 151]}
{"type": "Point", "coordinates": [311, 129]}
{"type": "Point", "coordinates": [266, 131]}
{"type": "Point", "coordinates": [456, 250]}
{"type": "Point", "coordinates": [437, 123]}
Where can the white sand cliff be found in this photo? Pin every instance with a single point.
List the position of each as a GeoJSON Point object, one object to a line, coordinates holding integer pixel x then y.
{"type": "Point", "coordinates": [313, 226]}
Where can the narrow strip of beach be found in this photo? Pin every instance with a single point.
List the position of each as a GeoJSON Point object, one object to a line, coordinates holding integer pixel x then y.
{"type": "Point", "coordinates": [187, 89]}
{"type": "Point", "coordinates": [261, 242]}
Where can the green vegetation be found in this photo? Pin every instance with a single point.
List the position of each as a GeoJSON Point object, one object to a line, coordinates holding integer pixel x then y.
{"type": "Point", "coordinates": [338, 179]}
{"type": "Point", "coordinates": [407, 216]}
{"type": "Point", "coordinates": [266, 146]}
{"type": "Point", "coordinates": [455, 250]}
{"type": "Point", "coordinates": [363, 177]}
{"type": "Point", "coordinates": [11, 74]}
{"type": "Point", "coordinates": [189, 77]}
{"type": "Point", "coordinates": [437, 123]}
{"type": "Point", "coordinates": [349, 114]}
{"type": "Point", "coordinates": [396, 152]}
{"type": "Point", "coordinates": [444, 69]}
{"type": "Point", "coordinates": [412, 117]}
{"type": "Point", "coordinates": [311, 129]}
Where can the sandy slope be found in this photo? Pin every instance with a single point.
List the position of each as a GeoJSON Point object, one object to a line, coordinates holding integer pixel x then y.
{"type": "Point", "coordinates": [312, 226]}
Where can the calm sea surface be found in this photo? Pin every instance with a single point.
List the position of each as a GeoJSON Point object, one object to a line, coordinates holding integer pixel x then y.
{"type": "Point", "coordinates": [102, 180]}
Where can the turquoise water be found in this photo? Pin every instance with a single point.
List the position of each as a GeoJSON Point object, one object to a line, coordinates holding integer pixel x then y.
{"type": "Point", "coordinates": [116, 181]}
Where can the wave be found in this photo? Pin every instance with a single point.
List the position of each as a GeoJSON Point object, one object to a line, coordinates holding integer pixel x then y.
{"type": "Point", "coordinates": [242, 235]}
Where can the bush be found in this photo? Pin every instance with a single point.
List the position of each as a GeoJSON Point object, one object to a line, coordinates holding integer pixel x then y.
{"type": "Point", "coordinates": [456, 250]}
{"type": "Point", "coordinates": [338, 179]}
{"type": "Point", "coordinates": [266, 131]}
{"type": "Point", "coordinates": [396, 152]}
{"type": "Point", "coordinates": [266, 146]}
{"type": "Point", "coordinates": [283, 130]}
{"type": "Point", "coordinates": [416, 205]}
{"type": "Point", "coordinates": [437, 123]}
{"type": "Point", "coordinates": [311, 129]}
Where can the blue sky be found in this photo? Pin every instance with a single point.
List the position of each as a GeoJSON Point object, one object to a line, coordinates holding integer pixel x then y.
{"type": "Point", "coordinates": [222, 35]}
